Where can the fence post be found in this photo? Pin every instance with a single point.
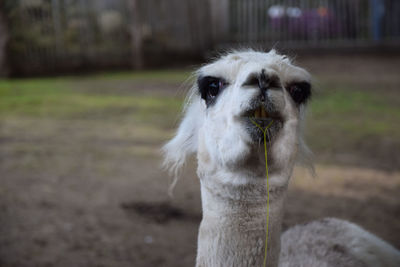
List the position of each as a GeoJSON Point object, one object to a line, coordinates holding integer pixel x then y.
{"type": "Point", "coordinates": [377, 9]}
{"type": "Point", "coordinates": [3, 42]}
{"type": "Point", "coordinates": [219, 19]}
{"type": "Point", "coordinates": [136, 35]}
{"type": "Point", "coordinates": [57, 25]}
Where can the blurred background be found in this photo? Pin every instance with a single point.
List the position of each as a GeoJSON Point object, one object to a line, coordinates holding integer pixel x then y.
{"type": "Point", "coordinates": [91, 89]}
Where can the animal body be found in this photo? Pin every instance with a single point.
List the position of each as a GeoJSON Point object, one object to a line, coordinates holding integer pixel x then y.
{"type": "Point", "coordinates": [230, 94]}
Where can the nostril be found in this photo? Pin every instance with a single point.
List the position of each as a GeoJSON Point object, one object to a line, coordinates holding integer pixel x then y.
{"type": "Point", "coordinates": [262, 93]}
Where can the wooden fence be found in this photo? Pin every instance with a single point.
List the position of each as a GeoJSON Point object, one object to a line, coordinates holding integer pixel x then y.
{"type": "Point", "coordinates": [3, 43]}
{"type": "Point", "coordinates": [162, 27]}
{"type": "Point", "coordinates": [69, 35]}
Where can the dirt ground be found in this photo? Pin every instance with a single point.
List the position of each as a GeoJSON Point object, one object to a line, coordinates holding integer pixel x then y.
{"type": "Point", "coordinates": [89, 192]}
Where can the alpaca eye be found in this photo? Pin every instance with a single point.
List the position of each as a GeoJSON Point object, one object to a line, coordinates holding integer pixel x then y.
{"type": "Point", "coordinates": [300, 92]}
{"type": "Point", "coordinates": [210, 87]}
{"type": "Point", "coordinates": [213, 88]}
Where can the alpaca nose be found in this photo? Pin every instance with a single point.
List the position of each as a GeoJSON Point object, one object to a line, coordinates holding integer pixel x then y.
{"type": "Point", "coordinates": [263, 84]}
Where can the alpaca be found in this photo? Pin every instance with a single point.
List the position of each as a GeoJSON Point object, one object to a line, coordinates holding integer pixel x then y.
{"type": "Point", "coordinates": [231, 93]}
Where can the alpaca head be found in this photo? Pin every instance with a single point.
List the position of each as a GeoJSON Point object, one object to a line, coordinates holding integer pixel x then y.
{"type": "Point", "coordinates": [229, 95]}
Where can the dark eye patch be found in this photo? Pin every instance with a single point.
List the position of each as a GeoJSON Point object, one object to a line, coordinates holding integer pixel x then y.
{"type": "Point", "coordinates": [210, 87]}
{"type": "Point", "coordinates": [299, 91]}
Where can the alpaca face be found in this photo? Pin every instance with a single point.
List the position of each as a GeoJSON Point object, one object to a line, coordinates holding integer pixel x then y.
{"type": "Point", "coordinates": [230, 96]}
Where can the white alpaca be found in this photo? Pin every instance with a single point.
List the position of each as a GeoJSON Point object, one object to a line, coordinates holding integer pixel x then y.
{"type": "Point", "coordinates": [229, 93]}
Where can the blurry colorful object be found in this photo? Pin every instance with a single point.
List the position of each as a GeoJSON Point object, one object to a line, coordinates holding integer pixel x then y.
{"type": "Point", "coordinates": [301, 23]}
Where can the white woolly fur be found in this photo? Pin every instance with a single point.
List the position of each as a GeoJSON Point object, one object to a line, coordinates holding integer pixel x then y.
{"type": "Point", "coordinates": [233, 182]}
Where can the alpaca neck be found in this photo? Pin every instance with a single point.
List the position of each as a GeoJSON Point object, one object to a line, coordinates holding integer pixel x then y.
{"type": "Point", "coordinates": [233, 229]}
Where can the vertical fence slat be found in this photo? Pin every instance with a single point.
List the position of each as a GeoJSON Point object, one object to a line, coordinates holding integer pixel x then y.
{"type": "Point", "coordinates": [4, 38]}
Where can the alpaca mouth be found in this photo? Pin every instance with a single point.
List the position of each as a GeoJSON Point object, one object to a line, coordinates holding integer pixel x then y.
{"type": "Point", "coordinates": [268, 121]}
{"type": "Point", "coordinates": [259, 113]}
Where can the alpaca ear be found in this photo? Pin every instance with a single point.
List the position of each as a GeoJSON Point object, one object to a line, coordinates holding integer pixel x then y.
{"type": "Point", "coordinates": [184, 143]}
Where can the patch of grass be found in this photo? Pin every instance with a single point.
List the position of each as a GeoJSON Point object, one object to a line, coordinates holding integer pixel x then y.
{"type": "Point", "coordinates": [356, 107]}
{"type": "Point", "coordinates": [350, 101]}
{"type": "Point", "coordinates": [344, 117]}
{"type": "Point", "coordinates": [174, 76]}
{"type": "Point", "coordinates": [59, 98]}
